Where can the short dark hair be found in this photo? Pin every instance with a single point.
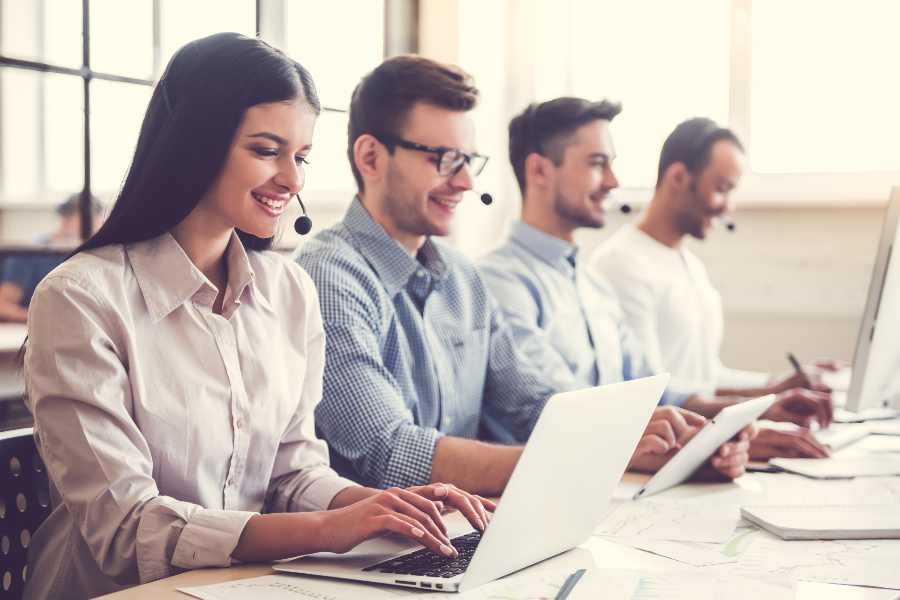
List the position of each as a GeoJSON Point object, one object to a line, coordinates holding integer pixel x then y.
{"type": "Point", "coordinates": [382, 100]}
{"type": "Point", "coordinates": [71, 205]}
{"type": "Point", "coordinates": [690, 143]}
{"type": "Point", "coordinates": [546, 128]}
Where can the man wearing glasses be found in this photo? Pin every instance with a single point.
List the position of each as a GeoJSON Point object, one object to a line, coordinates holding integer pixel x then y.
{"type": "Point", "coordinates": [419, 363]}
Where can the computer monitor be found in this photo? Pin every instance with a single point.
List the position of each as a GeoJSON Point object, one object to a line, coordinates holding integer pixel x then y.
{"type": "Point", "coordinates": [875, 382]}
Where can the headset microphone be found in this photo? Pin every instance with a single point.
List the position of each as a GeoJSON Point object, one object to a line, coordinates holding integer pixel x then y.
{"type": "Point", "coordinates": [303, 224]}
{"type": "Point", "coordinates": [725, 222]}
{"type": "Point", "coordinates": [615, 203]}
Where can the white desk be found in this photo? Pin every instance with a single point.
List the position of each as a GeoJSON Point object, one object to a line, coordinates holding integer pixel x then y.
{"type": "Point", "coordinates": [606, 554]}
{"type": "Point", "coordinates": [12, 335]}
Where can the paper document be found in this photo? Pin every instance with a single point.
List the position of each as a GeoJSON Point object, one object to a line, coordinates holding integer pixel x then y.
{"type": "Point", "coordinates": [879, 443]}
{"type": "Point", "coordinates": [687, 522]}
{"type": "Point", "coordinates": [698, 585]}
{"type": "Point", "coordinates": [885, 428]}
{"type": "Point", "coordinates": [812, 590]}
{"type": "Point", "coordinates": [592, 584]}
{"type": "Point", "coordinates": [880, 574]}
{"type": "Point", "coordinates": [695, 554]}
{"type": "Point", "coordinates": [841, 468]}
{"type": "Point", "coordinates": [292, 587]}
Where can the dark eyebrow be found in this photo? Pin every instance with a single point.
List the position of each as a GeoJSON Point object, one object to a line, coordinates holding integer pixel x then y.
{"type": "Point", "coordinates": [269, 136]}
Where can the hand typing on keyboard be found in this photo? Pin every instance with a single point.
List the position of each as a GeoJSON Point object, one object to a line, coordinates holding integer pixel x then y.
{"type": "Point", "coordinates": [359, 513]}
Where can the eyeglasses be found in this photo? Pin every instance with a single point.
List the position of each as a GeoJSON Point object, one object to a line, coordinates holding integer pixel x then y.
{"type": "Point", "coordinates": [450, 161]}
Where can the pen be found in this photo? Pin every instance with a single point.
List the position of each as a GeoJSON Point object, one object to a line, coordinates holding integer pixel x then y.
{"type": "Point", "coordinates": [797, 366]}
{"type": "Point", "coordinates": [570, 583]}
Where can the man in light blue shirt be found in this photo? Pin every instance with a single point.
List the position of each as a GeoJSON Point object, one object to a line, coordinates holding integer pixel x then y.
{"type": "Point", "coordinates": [422, 374]}
{"type": "Point", "coordinates": [566, 320]}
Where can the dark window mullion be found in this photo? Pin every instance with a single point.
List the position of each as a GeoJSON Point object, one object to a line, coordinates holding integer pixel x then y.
{"type": "Point", "coordinates": [85, 204]}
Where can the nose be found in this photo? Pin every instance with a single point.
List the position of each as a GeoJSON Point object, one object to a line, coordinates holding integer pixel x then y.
{"type": "Point", "coordinates": [463, 179]}
{"type": "Point", "coordinates": [290, 176]}
{"type": "Point", "coordinates": [610, 181]}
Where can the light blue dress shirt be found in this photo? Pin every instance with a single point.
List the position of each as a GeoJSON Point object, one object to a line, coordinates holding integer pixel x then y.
{"type": "Point", "coordinates": [416, 348]}
{"type": "Point", "coordinates": [564, 318]}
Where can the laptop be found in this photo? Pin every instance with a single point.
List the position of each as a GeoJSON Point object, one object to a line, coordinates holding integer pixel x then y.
{"type": "Point", "coordinates": [557, 495]}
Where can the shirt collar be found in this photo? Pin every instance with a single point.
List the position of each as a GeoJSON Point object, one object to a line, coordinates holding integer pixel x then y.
{"type": "Point", "coordinates": [168, 278]}
{"type": "Point", "coordinates": [385, 255]}
{"type": "Point", "coordinates": [552, 250]}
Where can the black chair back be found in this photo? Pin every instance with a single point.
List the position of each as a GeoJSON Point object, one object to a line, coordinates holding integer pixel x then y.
{"type": "Point", "coordinates": [24, 504]}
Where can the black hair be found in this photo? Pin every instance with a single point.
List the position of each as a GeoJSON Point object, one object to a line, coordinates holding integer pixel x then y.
{"type": "Point", "coordinates": [545, 128]}
{"type": "Point", "coordinates": [193, 115]}
{"type": "Point", "coordinates": [690, 143]}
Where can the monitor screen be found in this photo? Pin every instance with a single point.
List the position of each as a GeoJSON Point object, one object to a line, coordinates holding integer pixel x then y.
{"type": "Point", "coordinates": [876, 362]}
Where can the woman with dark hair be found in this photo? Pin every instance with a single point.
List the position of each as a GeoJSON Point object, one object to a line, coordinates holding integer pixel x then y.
{"type": "Point", "coordinates": [173, 366]}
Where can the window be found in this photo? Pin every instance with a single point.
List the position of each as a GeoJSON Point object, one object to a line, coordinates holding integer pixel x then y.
{"type": "Point", "coordinates": [828, 104]}
{"type": "Point", "coordinates": [43, 83]}
{"type": "Point", "coordinates": [684, 75]}
{"type": "Point", "coordinates": [43, 87]}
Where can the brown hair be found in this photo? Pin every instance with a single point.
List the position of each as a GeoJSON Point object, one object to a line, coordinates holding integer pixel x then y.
{"type": "Point", "coordinates": [384, 97]}
{"type": "Point", "coordinates": [546, 129]}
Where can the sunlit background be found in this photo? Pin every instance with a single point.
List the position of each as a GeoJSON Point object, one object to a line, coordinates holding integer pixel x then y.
{"type": "Point", "coordinates": [811, 87]}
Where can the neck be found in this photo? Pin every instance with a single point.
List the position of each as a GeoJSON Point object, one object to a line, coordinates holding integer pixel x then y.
{"type": "Point", "coordinates": [537, 211]}
{"type": "Point", "coordinates": [376, 206]}
{"type": "Point", "coordinates": [205, 244]}
{"type": "Point", "coordinates": [659, 223]}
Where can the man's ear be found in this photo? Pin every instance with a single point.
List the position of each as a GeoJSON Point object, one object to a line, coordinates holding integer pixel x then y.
{"type": "Point", "coordinates": [369, 156]}
{"type": "Point", "coordinates": [678, 176]}
{"type": "Point", "coordinates": [537, 170]}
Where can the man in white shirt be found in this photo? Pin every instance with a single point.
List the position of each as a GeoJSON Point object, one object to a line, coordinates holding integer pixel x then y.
{"type": "Point", "coordinates": [568, 322]}
{"type": "Point", "coordinates": [673, 308]}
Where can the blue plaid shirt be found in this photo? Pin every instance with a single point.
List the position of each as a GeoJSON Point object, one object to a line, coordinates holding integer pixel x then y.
{"type": "Point", "coordinates": [416, 349]}
{"type": "Point", "coordinates": [563, 317]}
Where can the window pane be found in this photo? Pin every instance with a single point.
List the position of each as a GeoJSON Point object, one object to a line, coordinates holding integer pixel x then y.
{"type": "Point", "coordinates": [830, 102]}
{"type": "Point", "coordinates": [42, 130]}
{"type": "Point", "coordinates": [122, 37]}
{"type": "Point", "coordinates": [117, 111]}
{"type": "Point", "coordinates": [182, 22]}
{"type": "Point", "coordinates": [336, 49]}
{"type": "Point", "coordinates": [683, 74]}
{"type": "Point", "coordinates": [48, 31]}
{"type": "Point", "coordinates": [329, 168]}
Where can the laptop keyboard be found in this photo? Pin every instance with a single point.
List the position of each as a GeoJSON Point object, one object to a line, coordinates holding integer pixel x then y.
{"type": "Point", "coordinates": [426, 563]}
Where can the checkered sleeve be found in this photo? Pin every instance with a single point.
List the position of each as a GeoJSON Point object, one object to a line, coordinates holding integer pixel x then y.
{"type": "Point", "coordinates": [362, 414]}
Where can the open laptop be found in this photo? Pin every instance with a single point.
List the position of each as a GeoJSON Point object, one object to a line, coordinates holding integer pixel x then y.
{"type": "Point", "coordinates": [557, 495]}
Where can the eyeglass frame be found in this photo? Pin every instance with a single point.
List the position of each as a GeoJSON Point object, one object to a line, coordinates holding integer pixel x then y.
{"type": "Point", "coordinates": [439, 151]}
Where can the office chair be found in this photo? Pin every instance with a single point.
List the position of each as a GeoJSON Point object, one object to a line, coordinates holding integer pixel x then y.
{"type": "Point", "coordinates": [24, 504]}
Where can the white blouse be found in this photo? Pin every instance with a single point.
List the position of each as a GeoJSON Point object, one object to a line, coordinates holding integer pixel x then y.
{"type": "Point", "coordinates": [163, 425]}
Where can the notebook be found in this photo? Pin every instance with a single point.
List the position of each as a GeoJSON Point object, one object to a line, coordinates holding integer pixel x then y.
{"type": "Point", "coordinates": [838, 522]}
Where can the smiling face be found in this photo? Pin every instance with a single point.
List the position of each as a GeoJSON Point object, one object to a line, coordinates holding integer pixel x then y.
{"type": "Point", "coordinates": [263, 169]}
{"type": "Point", "coordinates": [706, 196]}
{"type": "Point", "coordinates": [584, 177]}
{"type": "Point", "coordinates": [417, 201]}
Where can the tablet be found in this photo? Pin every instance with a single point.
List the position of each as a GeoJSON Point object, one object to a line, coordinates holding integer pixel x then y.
{"type": "Point", "coordinates": [697, 451]}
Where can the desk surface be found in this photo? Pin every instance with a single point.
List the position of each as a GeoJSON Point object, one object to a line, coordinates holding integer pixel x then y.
{"type": "Point", "coordinates": [608, 554]}
{"type": "Point", "coordinates": [11, 337]}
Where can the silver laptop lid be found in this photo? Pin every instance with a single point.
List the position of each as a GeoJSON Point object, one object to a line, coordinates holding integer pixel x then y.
{"type": "Point", "coordinates": [562, 485]}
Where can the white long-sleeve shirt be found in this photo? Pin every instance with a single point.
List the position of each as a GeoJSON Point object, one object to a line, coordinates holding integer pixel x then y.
{"type": "Point", "coordinates": [673, 310]}
{"type": "Point", "coordinates": [163, 425]}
